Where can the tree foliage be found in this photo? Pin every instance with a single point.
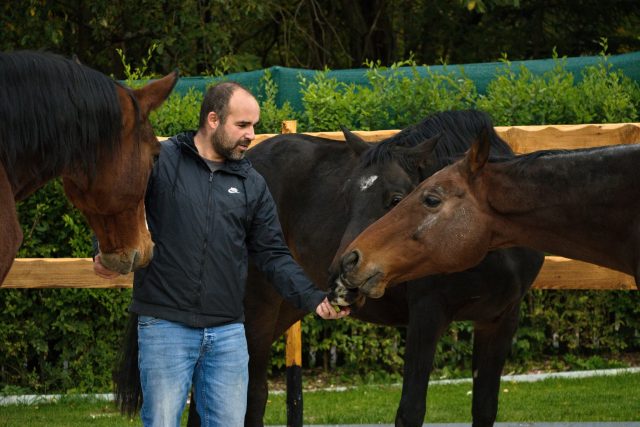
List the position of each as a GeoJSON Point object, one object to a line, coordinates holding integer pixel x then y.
{"type": "Point", "coordinates": [218, 36]}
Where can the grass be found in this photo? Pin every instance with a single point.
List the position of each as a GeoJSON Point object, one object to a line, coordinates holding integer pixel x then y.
{"type": "Point", "coordinates": [613, 398]}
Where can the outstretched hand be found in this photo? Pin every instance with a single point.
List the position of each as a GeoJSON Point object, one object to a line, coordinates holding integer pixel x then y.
{"type": "Point", "coordinates": [327, 312]}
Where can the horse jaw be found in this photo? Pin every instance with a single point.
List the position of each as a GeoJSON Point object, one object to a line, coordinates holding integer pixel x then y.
{"type": "Point", "coordinates": [129, 249]}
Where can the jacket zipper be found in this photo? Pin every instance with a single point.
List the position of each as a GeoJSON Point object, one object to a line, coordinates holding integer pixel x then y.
{"type": "Point", "coordinates": [206, 233]}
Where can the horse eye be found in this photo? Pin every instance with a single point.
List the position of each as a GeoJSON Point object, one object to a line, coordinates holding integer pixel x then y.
{"type": "Point", "coordinates": [394, 201]}
{"type": "Point", "coordinates": [432, 201]}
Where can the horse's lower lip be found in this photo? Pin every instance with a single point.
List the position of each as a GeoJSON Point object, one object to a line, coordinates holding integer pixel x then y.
{"type": "Point", "coordinates": [362, 285]}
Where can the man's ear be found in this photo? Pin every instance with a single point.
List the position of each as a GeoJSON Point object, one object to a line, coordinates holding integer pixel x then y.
{"type": "Point", "coordinates": [213, 120]}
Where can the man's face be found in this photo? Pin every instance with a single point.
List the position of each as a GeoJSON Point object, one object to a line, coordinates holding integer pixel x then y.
{"type": "Point", "coordinates": [231, 139]}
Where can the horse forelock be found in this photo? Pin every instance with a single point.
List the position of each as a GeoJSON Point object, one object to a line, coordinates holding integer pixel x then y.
{"type": "Point", "coordinates": [55, 114]}
{"type": "Point", "coordinates": [458, 130]}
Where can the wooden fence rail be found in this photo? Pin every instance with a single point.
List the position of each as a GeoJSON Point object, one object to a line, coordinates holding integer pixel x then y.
{"type": "Point", "coordinates": [557, 272]}
{"type": "Point", "coordinates": [40, 273]}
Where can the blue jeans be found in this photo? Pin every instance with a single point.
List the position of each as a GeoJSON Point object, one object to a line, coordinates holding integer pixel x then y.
{"type": "Point", "coordinates": [172, 356]}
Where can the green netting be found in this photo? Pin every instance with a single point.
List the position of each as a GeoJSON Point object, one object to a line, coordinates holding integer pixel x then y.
{"type": "Point", "coordinates": [288, 79]}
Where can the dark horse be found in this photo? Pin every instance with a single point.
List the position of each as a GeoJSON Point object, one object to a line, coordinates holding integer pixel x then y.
{"type": "Point", "coordinates": [61, 118]}
{"type": "Point", "coordinates": [582, 204]}
{"type": "Point", "coordinates": [327, 192]}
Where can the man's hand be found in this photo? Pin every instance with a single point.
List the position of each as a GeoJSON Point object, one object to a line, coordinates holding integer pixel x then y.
{"type": "Point", "coordinates": [327, 312]}
{"type": "Point", "coordinates": [103, 271]}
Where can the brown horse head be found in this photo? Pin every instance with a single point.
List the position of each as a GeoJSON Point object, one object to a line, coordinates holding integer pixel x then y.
{"type": "Point", "coordinates": [384, 174]}
{"type": "Point", "coordinates": [438, 228]}
{"type": "Point", "coordinates": [113, 199]}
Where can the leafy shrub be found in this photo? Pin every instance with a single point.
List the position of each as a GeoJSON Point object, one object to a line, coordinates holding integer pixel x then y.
{"type": "Point", "coordinates": [61, 339]}
{"type": "Point", "coordinates": [409, 96]}
{"type": "Point", "coordinates": [52, 228]}
{"type": "Point", "coordinates": [607, 96]}
{"type": "Point", "coordinates": [522, 98]}
{"type": "Point", "coordinates": [328, 103]}
{"type": "Point", "coordinates": [177, 114]}
{"type": "Point", "coordinates": [272, 116]}
{"type": "Point", "coordinates": [393, 99]}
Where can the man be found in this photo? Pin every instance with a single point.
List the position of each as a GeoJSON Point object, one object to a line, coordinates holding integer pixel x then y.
{"type": "Point", "coordinates": [208, 210]}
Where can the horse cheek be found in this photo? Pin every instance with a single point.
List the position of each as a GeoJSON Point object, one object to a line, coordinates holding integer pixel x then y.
{"type": "Point", "coordinates": [145, 243]}
{"type": "Point", "coordinates": [464, 242]}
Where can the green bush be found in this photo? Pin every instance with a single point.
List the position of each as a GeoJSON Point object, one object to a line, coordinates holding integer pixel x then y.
{"type": "Point", "coordinates": [522, 98]}
{"type": "Point", "coordinates": [56, 340]}
{"type": "Point", "coordinates": [393, 99]}
{"type": "Point", "coordinates": [61, 339]}
{"type": "Point", "coordinates": [272, 116]}
{"type": "Point", "coordinates": [177, 114]}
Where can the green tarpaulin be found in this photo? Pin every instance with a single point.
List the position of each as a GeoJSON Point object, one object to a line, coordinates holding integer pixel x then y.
{"type": "Point", "coordinates": [288, 79]}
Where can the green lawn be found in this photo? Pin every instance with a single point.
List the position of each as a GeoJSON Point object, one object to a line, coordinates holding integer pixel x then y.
{"type": "Point", "coordinates": [613, 398]}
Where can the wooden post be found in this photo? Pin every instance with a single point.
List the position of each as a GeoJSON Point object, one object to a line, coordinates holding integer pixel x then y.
{"type": "Point", "coordinates": [293, 348]}
{"type": "Point", "coordinates": [289, 126]}
{"type": "Point", "coordinates": [294, 375]}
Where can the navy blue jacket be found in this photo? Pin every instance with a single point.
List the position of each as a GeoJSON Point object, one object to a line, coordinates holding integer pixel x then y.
{"type": "Point", "coordinates": [205, 226]}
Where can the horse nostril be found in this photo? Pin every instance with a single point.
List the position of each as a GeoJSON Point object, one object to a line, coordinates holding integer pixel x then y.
{"type": "Point", "coordinates": [350, 260]}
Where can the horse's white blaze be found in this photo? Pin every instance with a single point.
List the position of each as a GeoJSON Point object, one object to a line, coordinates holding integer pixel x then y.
{"type": "Point", "coordinates": [427, 223]}
{"type": "Point", "coordinates": [366, 182]}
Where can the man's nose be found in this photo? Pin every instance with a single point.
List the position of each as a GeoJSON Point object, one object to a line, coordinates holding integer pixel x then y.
{"type": "Point", "coordinates": [251, 134]}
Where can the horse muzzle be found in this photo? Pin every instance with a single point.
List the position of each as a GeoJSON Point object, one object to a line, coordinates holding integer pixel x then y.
{"type": "Point", "coordinates": [127, 261]}
{"type": "Point", "coordinates": [340, 295]}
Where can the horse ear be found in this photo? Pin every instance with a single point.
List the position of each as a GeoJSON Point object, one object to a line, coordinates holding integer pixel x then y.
{"type": "Point", "coordinates": [357, 144]}
{"type": "Point", "coordinates": [153, 94]}
{"type": "Point", "coordinates": [478, 154]}
{"type": "Point", "coordinates": [423, 151]}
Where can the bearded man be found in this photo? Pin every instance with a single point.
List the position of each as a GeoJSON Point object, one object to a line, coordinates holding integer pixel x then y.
{"type": "Point", "coordinates": [208, 211]}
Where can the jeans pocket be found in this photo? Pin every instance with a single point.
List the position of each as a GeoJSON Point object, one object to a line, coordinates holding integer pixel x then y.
{"type": "Point", "coordinates": [146, 321]}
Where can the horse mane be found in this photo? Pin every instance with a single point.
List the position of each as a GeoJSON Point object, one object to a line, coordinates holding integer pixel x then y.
{"type": "Point", "coordinates": [457, 130]}
{"type": "Point", "coordinates": [534, 155]}
{"type": "Point", "coordinates": [56, 113]}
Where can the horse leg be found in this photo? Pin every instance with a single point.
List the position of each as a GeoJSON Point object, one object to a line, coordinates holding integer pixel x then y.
{"type": "Point", "coordinates": [427, 322]}
{"type": "Point", "coordinates": [265, 314]}
{"type": "Point", "coordinates": [491, 345]}
{"type": "Point", "coordinates": [259, 340]}
{"type": "Point", "coordinates": [127, 376]}
{"type": "Point", "coordinates": [193, 420]}
{"type": "Point", "coordinates": [10, 231]}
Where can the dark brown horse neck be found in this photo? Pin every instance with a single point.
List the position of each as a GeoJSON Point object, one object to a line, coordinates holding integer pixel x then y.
{"type": "Point", "coordinates": [582, 204]}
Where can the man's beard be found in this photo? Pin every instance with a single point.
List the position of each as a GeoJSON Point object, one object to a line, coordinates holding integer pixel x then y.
{"type": "Point", "coordinates": [224, 147]}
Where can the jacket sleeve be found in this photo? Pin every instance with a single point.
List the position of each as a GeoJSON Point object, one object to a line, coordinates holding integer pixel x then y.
{"type": "Point", "coordinates": [272, 256]}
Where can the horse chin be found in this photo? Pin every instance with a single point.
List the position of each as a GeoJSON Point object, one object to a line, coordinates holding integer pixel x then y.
{"type": "Point", "coordinates": [373, 287]}
{"type": "Point", "coordinates": [120, 262]}
{"type": "Point", "coordinates": [142, 258]}
{"type": "Point", "coordinates": [374, 292]}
